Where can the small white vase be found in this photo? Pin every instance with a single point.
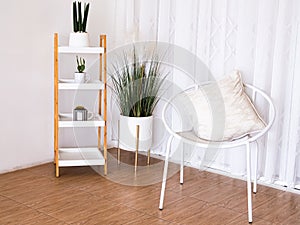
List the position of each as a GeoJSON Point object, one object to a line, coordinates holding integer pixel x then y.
{"type": "Point", "coordinates": [80, 77]}
{"type": "Point", "coordinates": [128, 132]}
{"type": "Point", "coordinates": [79, 40]}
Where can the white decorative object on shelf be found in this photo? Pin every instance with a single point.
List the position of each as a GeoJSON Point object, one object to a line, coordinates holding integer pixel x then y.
{"type": "Point", "coordinates": [82, 114]}
{"type": "Point", "coordinates": [79, 37]}
{"type": "Point", "coordinates": [79, 40]}
{"type": "Point", "coordinates": [81, 77]}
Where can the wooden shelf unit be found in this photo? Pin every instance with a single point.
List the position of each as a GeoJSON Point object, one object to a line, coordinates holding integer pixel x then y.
{"type": "Point", "coordinates": [80, 156]}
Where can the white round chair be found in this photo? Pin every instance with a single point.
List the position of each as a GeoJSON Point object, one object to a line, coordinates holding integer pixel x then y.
{"type": "Point", "coordinates": [189, 137]}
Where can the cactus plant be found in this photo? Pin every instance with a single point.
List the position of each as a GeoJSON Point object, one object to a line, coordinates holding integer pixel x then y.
{"type": "Point", "coordinates": [79, 23]}
{"type": "Point", "coordinates": [80, 64]}
{"type": "Point", "coordinates": [79, 107]}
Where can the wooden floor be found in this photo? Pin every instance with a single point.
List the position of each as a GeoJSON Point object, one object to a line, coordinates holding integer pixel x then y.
{"type": "Point", "coordinates": [82, 196]}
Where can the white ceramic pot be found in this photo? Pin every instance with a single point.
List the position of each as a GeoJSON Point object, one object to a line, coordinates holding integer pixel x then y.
{"type": "Point", "coordinates": [79, 40]}
{"type": "Point", "coordinates": [128, 132]}
{"type": "Point", "coordinates": [81, 77]}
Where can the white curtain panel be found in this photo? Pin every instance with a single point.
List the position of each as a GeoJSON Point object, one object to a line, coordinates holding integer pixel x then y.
{"type": "Point", "coordinates": [260, 38]}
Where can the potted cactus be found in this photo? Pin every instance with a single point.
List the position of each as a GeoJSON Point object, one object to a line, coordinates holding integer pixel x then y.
{"type": "Point", "coordinates": [79, 37]}
{"type": "Point", "coordinates": [80, 76]}
{"type": "Point", "coordinates": [80, 64]}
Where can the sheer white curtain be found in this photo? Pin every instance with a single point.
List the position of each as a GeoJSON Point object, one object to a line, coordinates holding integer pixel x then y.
{"type": "Point", "coordinates": [260, 38]}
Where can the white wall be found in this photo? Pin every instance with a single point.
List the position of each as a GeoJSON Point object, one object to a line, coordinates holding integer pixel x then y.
{"type": "Point", "coordinates": [26, 59]}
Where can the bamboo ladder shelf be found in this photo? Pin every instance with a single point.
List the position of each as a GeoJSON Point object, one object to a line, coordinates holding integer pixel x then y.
{"type": "Point", "coordinates": [81, 156]}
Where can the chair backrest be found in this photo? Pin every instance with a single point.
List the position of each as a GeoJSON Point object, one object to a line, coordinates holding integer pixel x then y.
{"type": "Point", "coordinates": [255, 93]}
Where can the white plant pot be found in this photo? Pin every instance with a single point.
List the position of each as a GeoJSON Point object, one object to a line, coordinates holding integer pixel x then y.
{"type": "Point", "coordinates": [128, 133]}
{"type": "Point", "coordinates": [80, 77]}
{"type": "Point", "coordinates": [79, 40]}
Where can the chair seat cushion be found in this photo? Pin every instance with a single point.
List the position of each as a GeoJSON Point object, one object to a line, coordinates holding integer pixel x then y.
{"type": "Point", "coordinates": [222, 111]}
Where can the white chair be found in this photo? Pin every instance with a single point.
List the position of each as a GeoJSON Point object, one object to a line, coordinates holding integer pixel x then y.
{"type": "Point", "coordinates": [189, 138]}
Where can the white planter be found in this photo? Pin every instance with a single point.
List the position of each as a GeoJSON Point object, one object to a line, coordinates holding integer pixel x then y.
{"type": "Point", "coordinates": [79, 40]}
{"type": "Point", "coordinates": [128, 133]}
{"type": "Point", "coordinates": [81, 77]}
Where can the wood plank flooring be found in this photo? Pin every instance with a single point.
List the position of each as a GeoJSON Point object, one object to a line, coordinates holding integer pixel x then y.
{"type": "Point", "coordinates": [82, 196]}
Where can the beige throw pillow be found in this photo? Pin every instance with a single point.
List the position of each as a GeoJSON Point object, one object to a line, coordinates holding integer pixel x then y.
{"type": "Point", "coordinates": [222, 111]}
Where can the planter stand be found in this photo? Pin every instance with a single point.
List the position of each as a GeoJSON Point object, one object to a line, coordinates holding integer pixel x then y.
{"type": "Point", "coordinates": [136, 150]}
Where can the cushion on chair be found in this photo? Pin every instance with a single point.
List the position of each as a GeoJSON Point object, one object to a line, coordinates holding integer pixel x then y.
{"type": "Point", "coordinates": [222, 111]}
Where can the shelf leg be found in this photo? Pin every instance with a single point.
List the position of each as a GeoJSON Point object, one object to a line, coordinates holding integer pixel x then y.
{"type": "Point", "coordinates": [105, 158]}
{"type": "Point", "coordinates": [56, 104]}
{"type": "Point", "coordinates": [56, 170]}
{"type": "Point", "coordinates": [137, 146]}
{"type": "Point", "coordinates": [102, 78]}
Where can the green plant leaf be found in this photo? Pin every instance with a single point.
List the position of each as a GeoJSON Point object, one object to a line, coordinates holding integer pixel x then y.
{"type": "Point", "coordinates": [79, 17]}
{"type": "Point", "coordinates": [136, 85]}
{"type": "Point", "coordinates": [75, 24]}
{"type": "Point", "coordinates": [85, 16]}
{"type": "Point", "coordinates": [80, 64]}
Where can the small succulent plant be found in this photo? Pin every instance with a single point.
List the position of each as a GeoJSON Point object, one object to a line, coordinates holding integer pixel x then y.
{"type": "Point", "coordinates": [79, 107]}
{"type": "Point", "coordinates": [80, 64]}
{"type": "Point", "coordinates": [79, 22]}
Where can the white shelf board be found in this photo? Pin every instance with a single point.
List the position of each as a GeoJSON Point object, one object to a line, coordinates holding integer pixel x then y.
{"type": "Point", "coordinates": [65, 120]}
{"type": "Point", "coordinates": [80, 157]}
{"type": "Point", "coordinates": [83, 50]}
{"type": "Point", "coordinates": [69, 84]}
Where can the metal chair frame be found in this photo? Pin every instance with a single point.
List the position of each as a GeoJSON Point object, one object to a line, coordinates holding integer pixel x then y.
{"type": "Point", "coordinates": [221, 145]}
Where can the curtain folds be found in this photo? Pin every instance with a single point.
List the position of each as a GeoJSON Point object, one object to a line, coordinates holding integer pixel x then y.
{"type": "Point", "coordinates": [260, 38]}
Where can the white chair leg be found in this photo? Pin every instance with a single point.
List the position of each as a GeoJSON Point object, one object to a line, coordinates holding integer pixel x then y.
{"type": "Point", "coordinates": [181, 164]}
{"type": "Point", "coordinates": [255, 167]}
{"type": "Point", "coordinates": [249, 192]}
{"type": "Point", "coordinates": [164, 181]}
